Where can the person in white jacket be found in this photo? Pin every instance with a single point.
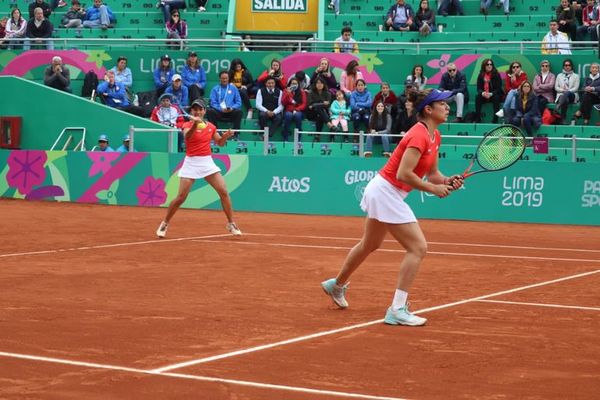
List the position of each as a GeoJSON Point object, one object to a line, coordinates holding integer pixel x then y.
{"type": "Point", "coordinates": [16, 27]}
{"type": "Point", "coordinates": [566, 86]}
{"type": "Point", "coordinates": [555, 41]}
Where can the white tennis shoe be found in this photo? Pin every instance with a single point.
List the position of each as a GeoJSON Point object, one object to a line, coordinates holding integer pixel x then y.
{"type": "Point", "coordinates": [233, 229]}
{"type": "Point", "coordinates": [161, 232]}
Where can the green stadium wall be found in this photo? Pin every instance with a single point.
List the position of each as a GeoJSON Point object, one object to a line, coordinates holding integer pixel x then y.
{"type": "Point", "coordinates": [528, 192]}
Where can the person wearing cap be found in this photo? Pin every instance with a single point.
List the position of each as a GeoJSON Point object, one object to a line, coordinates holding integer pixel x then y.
{"type": "Point", "coordinates": [123, 73]}
{"type": "Point", "coordinates": [113, 94]}
{"type": "Point", "coordinates": [163, 74]}
{"type": "Point", "coordinates": [415, 157]}
{"type": "Point", "coordinates": [179, 92]}
{"type": "Point", "coordinates": [74, 17]}
{"type": "Point", "coordinates": [124, 148]}
{"type": "Point", "coordinates": [225, 103]}
{"type": "Point", "coordinates": [99, 16]}
{"type": "Point", "coordinates": [194, 76]}
{"type": "Point", "coordinates": [170, 115]}
{"type": "Point", "coordinates": [199, 164]}
{"type": "Point", "coordinates": [176, 29]}
{"type": "Point", "coordinates": [57, 76]}
{"type": "Point", "coordinates": [103, 144]}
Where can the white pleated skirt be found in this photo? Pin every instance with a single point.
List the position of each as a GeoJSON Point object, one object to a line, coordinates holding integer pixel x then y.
{"type": "Point", "coordinates": [385, 202]}
{"type": "Point", "coordinates": [198, 167]}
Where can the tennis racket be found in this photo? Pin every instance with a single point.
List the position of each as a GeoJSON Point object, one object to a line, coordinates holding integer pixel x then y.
{"type": "Point", "coordinates": [499, 149]}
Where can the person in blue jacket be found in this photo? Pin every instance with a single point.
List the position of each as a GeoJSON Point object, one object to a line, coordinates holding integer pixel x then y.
{"type": "Point", "coordinates": [113, 95]}
{"type": "Point", "coordinates": [194, 77]}
{"type": "Point", "coordinates": [179, 92]}
{"type": "Point", "coordinates": [360, 105]}
{"type": "Point", "coordinates": [99, 16]}
{"type": "Point", "coordinates": [163, 75]}
{"type": "Point", "coordinates": [225, 103]}
{"type": "Point", "coordinates": [124, 148]}
{"type": "Point", "coordinates": [103, 144]}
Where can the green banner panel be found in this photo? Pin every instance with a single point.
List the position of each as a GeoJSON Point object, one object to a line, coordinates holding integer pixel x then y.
{"type": "Point", "coordinates": [528, 192]}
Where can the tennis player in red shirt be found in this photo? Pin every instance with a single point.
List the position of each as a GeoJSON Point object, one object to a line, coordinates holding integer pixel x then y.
{"type": "Point", "coordinates": [415, 156]}
{"type": "Point", "coordinates": [198, 164]}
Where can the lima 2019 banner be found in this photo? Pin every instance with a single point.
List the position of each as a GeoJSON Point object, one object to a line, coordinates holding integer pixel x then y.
{"type": "Point", "coordinates": [528, 192]}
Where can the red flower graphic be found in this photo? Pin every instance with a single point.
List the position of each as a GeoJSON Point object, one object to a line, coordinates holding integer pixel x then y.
{"type": "Point", "coordinates": [151, 192]}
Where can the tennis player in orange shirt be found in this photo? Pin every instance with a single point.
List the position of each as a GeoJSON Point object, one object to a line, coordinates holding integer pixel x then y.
{"type": "Point", "coordinates": [199, 164]}
{"type": "Point", "coordinates": [415, 156]}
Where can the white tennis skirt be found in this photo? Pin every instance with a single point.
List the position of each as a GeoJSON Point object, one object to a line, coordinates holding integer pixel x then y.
{"type": "Point", "coordinates": [385, 202]}
{"type": "Point", "coordinates": [198, 167]}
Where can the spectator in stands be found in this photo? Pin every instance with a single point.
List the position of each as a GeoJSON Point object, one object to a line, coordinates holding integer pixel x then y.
{"type": "Point", "coordinates": [39, 31]}
{"type": "Point", "coordinates": [74, 17]}
{"type": "Point", "coordinates": [268, 104]}
{"type": "Point", "coordinates": [124, 148]}
{"type": "Point", "coordinates": [241, 78]}
{"type": "Point", "coordinates": [47, 11]}
{"type": "Point", "coordinates": [380, 123]}
{"type": "Point", "coordinates": [113, 94]}
{"type": "Point", "coordinates": [16, 28]}
{"type": "Point", "coordinates": [276, 72]}
{"type": "Point", "coordinates": [400, 17]}
{"type": "Point", "coordinates": [54, 4]}
{"type": "Point", "coordinates": [455, 81]}
{"type": "Point", "coordinates": [194, 77]}
{"type": "Point", "coordinates": [590, 18]}
{"type": "Point", "coordinates": [349, 77]}
{"type": "Point", "coordinates": [294, 103]}
{"type": "Point", "coordinates": [556, 42]}
{"type": "Point", "coordinates": [565, 15]}
{"type": "Point", "coordinates": [3, 41]}
{"type": "Point", "coordinates": [225, 103]}
{"type": "Point", "coordinates": [99, 16]}
{"type": "Point", "coordinates": [543, 85]}
{"type": "Point", "coordinates": [335, 6]}
{"type": "Point", "coordinates": [167, 114]}
{"type": "Point", "coordinates": [246, 43]}
{"type": "Point", "coordinates": [123, 73]}
{"type": "Point", "coordinates": [526, 111]}
{"type": "Point", "coordinates": [387, 97]}
{"type": "Point", "coordinates": [169, 5]}
{"type": "Point", "coordinates": [489, 89]}
{"type": "Point", "coordinates": [567, 87]}
{"type": "Point", "coordinates": [360, 105]}
{"type": "Point", "coordinates": [176, 29]}
{"type": "Point", "coordinates": [515, 76]}
{"type": "Point", "coordinates": [323, 71]}
{"type": "Point", "coordinates": [425, 18]}
{"type": "Point", "coordinates": [486, 4]}
{"type": "Point", "coordinates": [345, 43]}
{"type": "Point", "coordinates": [417, 78]}
{"type": "Point", "coordinates": [57, 75]}
{"type": "Point", "coordinates": [302, 78]}
{"type": "Point", "coordinates": [103, 144]}
{"type": "Point", "coordinates": [319, 100]}
{"type": "Point", "coordinates": [201, 4]}
{"type": "Point", "coordinates": [405, 115]}
{"type": "Point", "coordinates": [340, 114]}
{"type": "Point", "coordinates": [590, 94]}
{"type": "Point", "coordinates": [179, 92]}
{"type": "Point", "coordinates": [163, 74]}
{"type": "Point", "coordinates": [450, 7]}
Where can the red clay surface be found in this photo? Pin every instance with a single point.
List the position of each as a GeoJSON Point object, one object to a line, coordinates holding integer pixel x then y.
{"type": "Point", "coordinates": [132, 301]}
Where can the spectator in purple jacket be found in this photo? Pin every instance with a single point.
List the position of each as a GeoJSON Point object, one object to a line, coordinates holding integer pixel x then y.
{"type": "Point", "coordinates": [176, 29]}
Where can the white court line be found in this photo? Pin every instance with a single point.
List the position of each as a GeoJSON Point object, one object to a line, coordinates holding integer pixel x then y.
{"type": "Point", "coordinates": [441, 243]}
{"type": "Point", "coordinates": [196, 377]}
{"type": "Point", "coordinates": [540, 304]}
{"type": "Point", "coordinates": [105, 246]}
{"type": "Point", "coordinates": [444, 253]}
{"type": "Point", "coordinates": [357, 326]}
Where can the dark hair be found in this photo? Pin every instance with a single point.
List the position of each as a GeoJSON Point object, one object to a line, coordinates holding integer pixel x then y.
{"type": "Point", "coordinates": [414, 77]}
{"type": "Point", "coordinates": [350, 66]}
{"type": "Point", "coordinates": [554, 20]}
{"type": "Point", "coordinates": [300, 75]}
{"type": "Point", "coordinates": [270, 78]}
{"type": "Point", "coordinates": [346, 29]}
{"type": "Point", "coordinates": [375, 116]}
{"type": "Point", "coordinates": [121, 58]}
{"type": "Point", "coordinates": [569, 61]}
{"type": "Point", "coordinates": [360, 80]}
{"type": "Point", "coordinates": [417, 96]}
{"type": "Point", "coordinates": [484, 63]}
{"type": "Point", "coordinates": [319, 79]}
{"type": "Point", "coordinates": [174, 10]}
{"type": "Point", "coordinates": [530, 95]}
{"type": "Point", "coordinates": [223, 71]}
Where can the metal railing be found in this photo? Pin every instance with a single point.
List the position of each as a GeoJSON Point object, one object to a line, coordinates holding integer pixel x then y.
{"type": "Point", "coordinates": [79, 146]}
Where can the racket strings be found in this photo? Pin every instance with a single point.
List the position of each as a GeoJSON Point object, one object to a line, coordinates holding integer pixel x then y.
{"type": "Point", "coordinates": [501, 148]}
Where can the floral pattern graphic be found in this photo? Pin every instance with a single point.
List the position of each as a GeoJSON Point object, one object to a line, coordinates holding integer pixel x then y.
{"type": "Point", "coordinates": [441, 64]}
{"type": "Point", "coordinates": [101, 161]}
{"type": "Point", "coordinates": [151, 192]}
{"type": "Point", "coordinates": [26, 169]}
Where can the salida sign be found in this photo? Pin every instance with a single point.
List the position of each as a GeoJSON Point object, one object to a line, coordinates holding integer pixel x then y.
{"type": "Point", "coordinates": [280, 5]}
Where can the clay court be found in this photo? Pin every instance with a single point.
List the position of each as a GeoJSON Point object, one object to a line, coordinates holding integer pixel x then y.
{"type": "Point", "coordinates": [93, 306]}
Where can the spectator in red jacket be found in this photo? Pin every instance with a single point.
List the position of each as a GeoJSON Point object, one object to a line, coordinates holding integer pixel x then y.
{"type": "Point", "coordinates": [387, 97]}
{"type": "Point", "coordinates": [275, 72]}
{"type": "Point", "coordinates": [294, 103]}
{"type": "Point", "coordinates": [515, 76]}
